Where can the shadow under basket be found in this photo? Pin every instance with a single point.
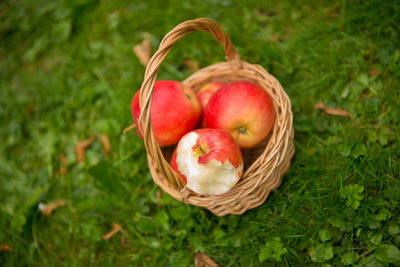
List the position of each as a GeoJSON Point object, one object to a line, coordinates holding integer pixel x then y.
{"type": "Point", "coordinates": [264, 165]}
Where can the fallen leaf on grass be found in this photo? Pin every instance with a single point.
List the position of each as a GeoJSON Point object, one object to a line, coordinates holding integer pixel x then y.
{"type": "Point", "coordinates": [193, 66]}
{"type": "Point", "coordinates": [310, 151]}
{"type": "Point", "coordinates": [47, 209]}
{"type": "Point", "coordinates": [63, 159]}
{"type": "Point", "coordinates": [202, 260]}
{"type": "Point", "coordinates": [374, 72]}
{"type": "Point", "coordinates": [158, 196]}
{"type": "Point", "coordinates": [123, 239]}
{"type": "Point", "coordinates": [115, 229]}
{"type": "Point", "coordinates": [63, 170]}
{"type": "Point", "coordinates": [142, 51]}
{"type": "Point", "coordinates": [129, 128]}
{"type": "Point", "coordinates": [105, 143]}
{"type": "Point", "coordinates": [5, 247]}
{"type": "Point", "coordinates": [333, 111]}
{"type": "Point", "coordinates": [81, 146]}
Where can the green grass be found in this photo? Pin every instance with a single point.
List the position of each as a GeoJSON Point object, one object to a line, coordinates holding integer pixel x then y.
{"type": "Point", "coordinates": [67, 71]}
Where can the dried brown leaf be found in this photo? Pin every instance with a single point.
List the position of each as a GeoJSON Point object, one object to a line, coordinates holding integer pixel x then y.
{"type": "Point", "coordinates": [81, 146]}
{"type": "Point", "coordinates": [105, 143]}
{"type": "Point", "coordinates": [129, 128]}
{"type": "Point", "coordinates": [338, 112]}
{"type": "Point", "coordinates": [47, 209]}
{"type": "Point", "coordinates": [158, 196]}
{"type": "Point", "coordinates": [63, 170]}
{"type": "Point", "coordinates": [143, 51]}
{"type": "Point", "coordinates": [192, 65]}
{"type": "Point", "coordinates": [202, 260]}
{"type": "Point", "coordinates": [63, 158]}
{"type": "Point", "coordinates": [115, 229]}
{"type": "Point", "coordinates": [333, 111]}
{"type": "Point", "coordinates": [374, 72]}
{"type": "Point", "coordinates": [64, 161]}
{"type": "Point", "coordinates": [319, 105]}
{"type": "Point", "coordinates": [123, 239]}
{"type": "Point", "coordinates": [5, 247]}
{"type": "Point", "coordinates": [310, 151]}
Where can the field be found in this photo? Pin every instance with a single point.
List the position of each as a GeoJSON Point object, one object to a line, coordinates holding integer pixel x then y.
{"type": "Point", "coordinates": [68, 74]}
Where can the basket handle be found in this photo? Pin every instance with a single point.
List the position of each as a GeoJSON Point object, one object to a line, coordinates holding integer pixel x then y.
{"type": "Point", "coordinates": [147, 88]}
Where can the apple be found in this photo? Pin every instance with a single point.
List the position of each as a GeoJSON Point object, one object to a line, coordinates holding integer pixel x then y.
{"type": "Point", "coordinates": [174, 166]}
{"type": "Point", "coordinates": [209, 159]}
{"type": "Point", "coordinates": [244, 109]}
{"type": "Point", "coordinates": [174, 111]}
{"type": "Point", "coordinates": [204, 95]}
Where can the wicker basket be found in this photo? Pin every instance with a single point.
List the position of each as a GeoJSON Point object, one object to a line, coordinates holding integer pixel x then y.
{"type": "Point", "coordinates": [264, 165]}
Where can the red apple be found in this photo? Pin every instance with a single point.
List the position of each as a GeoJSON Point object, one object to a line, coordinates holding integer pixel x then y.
{"type": "Point", "coordinates": [175, 111]}
{"type": "Point", "coordinates": [204, 95]}
{"type": "Point", "coordinates": [243, 109]}
{"type": "Point", "coordinates": [210, 160]}
{"type": "Point", "coordinates": [175, 166]}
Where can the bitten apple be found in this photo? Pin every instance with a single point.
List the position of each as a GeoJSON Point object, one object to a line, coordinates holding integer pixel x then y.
{"type": "Point", "coordinates": [210, 160]}
{"type": "Point", "coordinates": [204, 95]}
{"type": "Point", "coordinates": [175, 166]}
{"type": "Point", "coordinates": [174, 111]}
{"type": "Point", "coordinates": [243, 109]}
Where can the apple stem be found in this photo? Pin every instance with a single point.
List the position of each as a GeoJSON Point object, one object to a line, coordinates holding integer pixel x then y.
{"type": "Point", "coordinates": [201, 149]}
{"type": "Point", "coordinates": [129, 128]}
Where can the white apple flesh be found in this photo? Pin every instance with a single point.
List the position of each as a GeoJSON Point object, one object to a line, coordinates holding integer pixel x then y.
{"type": "Point", "coordinates": [210, 160]}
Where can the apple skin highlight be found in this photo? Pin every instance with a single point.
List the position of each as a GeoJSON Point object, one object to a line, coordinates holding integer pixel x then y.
{"type": "Point", "coordinates": [174, 112]}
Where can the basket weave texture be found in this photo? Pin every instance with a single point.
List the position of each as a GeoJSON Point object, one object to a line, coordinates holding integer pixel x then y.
{"type": "Point", "coordinates": [264, 165]}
